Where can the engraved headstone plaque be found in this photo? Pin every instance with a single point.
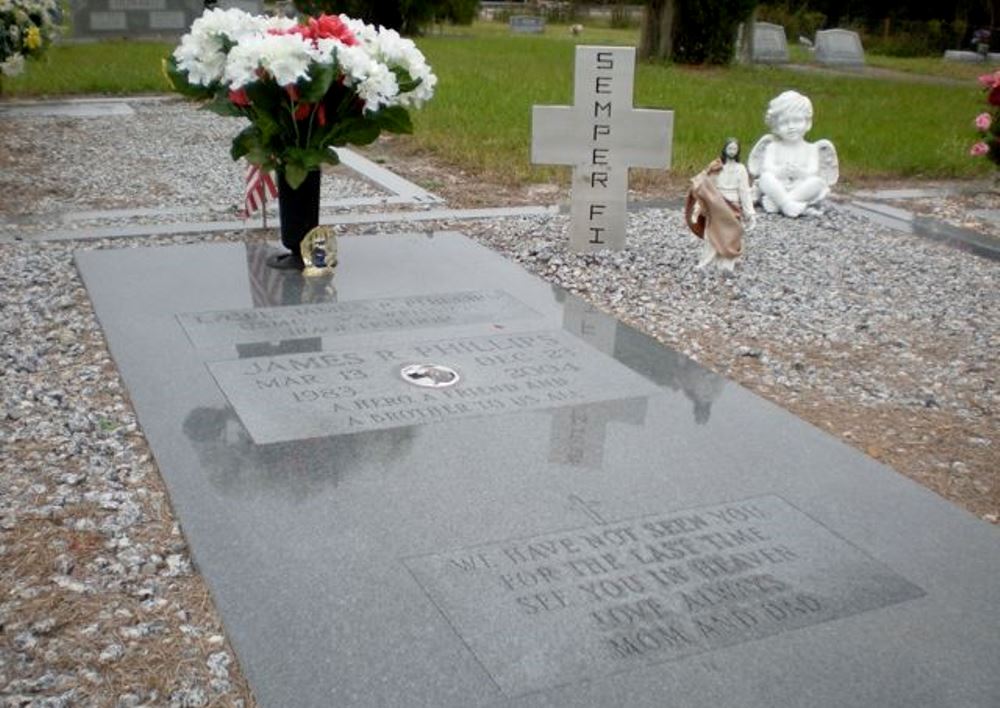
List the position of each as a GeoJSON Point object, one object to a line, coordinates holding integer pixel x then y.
{"type": "Point", "coordinates": [354, 390]}
{"type": "Point", "coordinates": [578, 517]}
{"type": "Point", "coordinates": [616, 595]}
{"type": "Point", "coordinates": [330, 319]}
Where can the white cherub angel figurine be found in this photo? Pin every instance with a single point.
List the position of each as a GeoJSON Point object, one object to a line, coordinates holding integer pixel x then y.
{"type": "Point", "coordinates": [792, 175]}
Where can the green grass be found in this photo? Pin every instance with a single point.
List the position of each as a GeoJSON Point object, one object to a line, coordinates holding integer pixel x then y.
{"type": "Point", "coordinates": [480, 119]}
{"type": "Point", "coordinates": [110, 67]}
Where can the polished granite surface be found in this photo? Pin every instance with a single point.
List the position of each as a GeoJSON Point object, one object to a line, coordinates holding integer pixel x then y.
{"type": "Point", "coordinates": [578, 517]}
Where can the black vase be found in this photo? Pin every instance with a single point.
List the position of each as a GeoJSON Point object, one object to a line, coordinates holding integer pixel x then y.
{"type": "Point", "coordinates": [299, 211]}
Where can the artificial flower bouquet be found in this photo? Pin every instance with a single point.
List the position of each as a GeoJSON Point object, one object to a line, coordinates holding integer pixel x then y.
{"type": "Point", "coordinates": [987, 122]}
{"type": "Point", "coordinates": [306, 87]}
{"type": "Point", "coordinates": [27, 28]}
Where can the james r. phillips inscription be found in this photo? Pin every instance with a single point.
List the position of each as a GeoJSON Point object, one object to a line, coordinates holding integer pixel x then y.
{"type": "Point", "coordinates": [610, 597]}
{"type": "Point", "coordinates": [299, 396]}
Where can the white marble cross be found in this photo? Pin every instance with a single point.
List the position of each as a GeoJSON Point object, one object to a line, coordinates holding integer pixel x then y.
{"type": "Point", "coordinates": [601, 136]}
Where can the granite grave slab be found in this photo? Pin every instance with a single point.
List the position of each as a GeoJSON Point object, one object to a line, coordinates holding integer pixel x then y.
{"type": "Point", "coordinates": [627, 529]}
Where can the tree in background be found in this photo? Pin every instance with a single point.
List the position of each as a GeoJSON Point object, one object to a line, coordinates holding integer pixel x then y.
{"type": "Point", "coordinates": [692, 31]}
{"type": "Point", "coordinates": [405, 16]}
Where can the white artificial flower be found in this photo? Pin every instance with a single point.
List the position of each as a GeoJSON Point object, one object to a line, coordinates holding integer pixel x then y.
{"type": "Point", "coordinates": [354, 63]}
{"type": "Point", "coordinates": [202, 51]}
{"type": "Point", "coordinates": [365, 34]}
{"type": "Point", "coordinates": [379, 88]}
{"type": "Point", "coordinates": [13, 66]}
{"type": "Point", "coordinates": [286, 57]}
{"type": "Point", "coordinates": [279, 23]}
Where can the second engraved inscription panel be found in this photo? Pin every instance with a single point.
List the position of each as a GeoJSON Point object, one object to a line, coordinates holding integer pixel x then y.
{"type": "Point", "coordinates": [557, 608]}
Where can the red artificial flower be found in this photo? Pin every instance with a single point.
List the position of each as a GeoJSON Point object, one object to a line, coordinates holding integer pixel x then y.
{"type": "Point", "coordinates": [239, 98]}
{"type": "Point", "coordinates": [302, 112]}
{"type": "Point", "coordinates": [322, 27]}
{"type": "Point", "coordinates": [979, 149]}
{"type": "Point", "coordinates": [321, 115]}
{"type": "Point", "coordinates": [990, 80]}
{"type": "Point", "coordinates": [330, 27]}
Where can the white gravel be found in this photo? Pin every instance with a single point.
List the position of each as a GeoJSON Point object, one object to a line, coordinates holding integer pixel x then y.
{"type": "Point", "coordinates": [95, 576]}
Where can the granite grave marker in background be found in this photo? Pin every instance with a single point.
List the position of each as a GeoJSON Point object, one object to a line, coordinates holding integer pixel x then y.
{"type": "Point", "coordinates": [839, 47]}
{"type": "Point", "coordinates": [142, 18]}
{"type": "Point", "coordinates": [770, 45]}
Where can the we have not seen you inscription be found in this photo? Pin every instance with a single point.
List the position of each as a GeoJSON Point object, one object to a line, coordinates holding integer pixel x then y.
{"type": "Point", "coordinates": [652, 589]}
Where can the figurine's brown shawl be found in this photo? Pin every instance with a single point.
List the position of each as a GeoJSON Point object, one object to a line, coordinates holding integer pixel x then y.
{"type": "Point", "coordinates": [718, 221]}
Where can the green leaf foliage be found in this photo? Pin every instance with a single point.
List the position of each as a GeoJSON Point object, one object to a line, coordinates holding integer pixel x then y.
{"type": "Point", "coordinates": [221, 105]}
{"type": "Point", "coordinates": [295, 174]}
{"type": "Point", "coordinates": [320, 78]}
{"type": "Point", "coordinates": [394, 119]}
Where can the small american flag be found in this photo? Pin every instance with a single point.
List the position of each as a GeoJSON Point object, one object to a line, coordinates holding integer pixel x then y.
{"type": "Point", "coordinates": [258, 185]}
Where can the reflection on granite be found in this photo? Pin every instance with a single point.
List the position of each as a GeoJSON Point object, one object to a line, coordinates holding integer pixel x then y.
{"type": "Point", "coordinates": [666, 367]}
{"type": "Point", "coordinates": [295, 471]}
{"type": "Point", "coordinates": [270, 287]}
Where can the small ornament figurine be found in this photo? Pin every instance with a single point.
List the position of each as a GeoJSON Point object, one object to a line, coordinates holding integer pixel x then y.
{"type": "Point", "coordinates": [719, 207]}
{"type": "Point", "coordinates": [319, 251]}
{"type": "Point", "coordinates": [792, 176]}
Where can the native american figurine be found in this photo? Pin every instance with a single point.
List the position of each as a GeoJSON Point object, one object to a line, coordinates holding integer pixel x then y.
{"type": "Point", "coordinates": [719, 207]}
{"type": "Point", "coordinates": [792, 176]}
{"type": "Point", "coordinates": [319, 251]}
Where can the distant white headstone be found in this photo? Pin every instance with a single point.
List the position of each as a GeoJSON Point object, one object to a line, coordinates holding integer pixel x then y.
{"type": "Point", "coordinates": [839, 46]}
{"type": "Point", "coordinates": [970, 57]}
{"type": "Point", "coordinates": [601, 136]}
{"type": "Point", "coordinates": [770, 45]}
{"type": "Point", "coordinates": [527, 24]}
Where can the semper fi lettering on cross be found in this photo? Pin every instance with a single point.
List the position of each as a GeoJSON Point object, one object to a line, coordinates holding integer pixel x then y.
{"type": "Point", "coordinates": [601, 136]}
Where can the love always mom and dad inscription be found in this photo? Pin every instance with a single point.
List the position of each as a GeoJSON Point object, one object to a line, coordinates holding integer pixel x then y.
{"type": "Point", "coordinates": [579, 517]}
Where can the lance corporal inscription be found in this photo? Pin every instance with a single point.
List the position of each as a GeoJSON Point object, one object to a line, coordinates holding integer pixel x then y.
{"type": "Point", "coordinates": [226, 327]}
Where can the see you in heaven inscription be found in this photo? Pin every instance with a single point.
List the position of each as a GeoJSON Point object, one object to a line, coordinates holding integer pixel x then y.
{"type": "Point", "coordinates": [601, 136]}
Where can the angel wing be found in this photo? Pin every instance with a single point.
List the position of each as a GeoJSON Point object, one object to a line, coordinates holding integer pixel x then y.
{"type": "Point", "coordinates": [829, 166]}
{"type": "Point", "coordinates": [755, 163]}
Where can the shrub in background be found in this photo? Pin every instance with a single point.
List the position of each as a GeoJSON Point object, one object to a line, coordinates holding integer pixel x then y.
{"type": "Point", "coordinates": [705, 30]}
{"type": "Point", "coordinates": [405, 16]}
{"type": "Point", "coordinates": [27, 28]}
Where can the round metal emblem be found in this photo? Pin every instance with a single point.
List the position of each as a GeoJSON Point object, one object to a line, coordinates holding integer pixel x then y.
{"type": "Point", "coordinates": [429, 375]}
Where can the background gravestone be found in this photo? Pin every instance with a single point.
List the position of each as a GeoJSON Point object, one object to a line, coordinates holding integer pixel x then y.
{"type": "Point", "coordinates": [839, 47]}
{"type": "Point", "coordinates": [527, 24]}
{"type": "Point", "coordinates": [770, 44]}
{"type": "Point", "coordinates": [143, 18]}
{"type": "Point", "coordinates": [558, 528]}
